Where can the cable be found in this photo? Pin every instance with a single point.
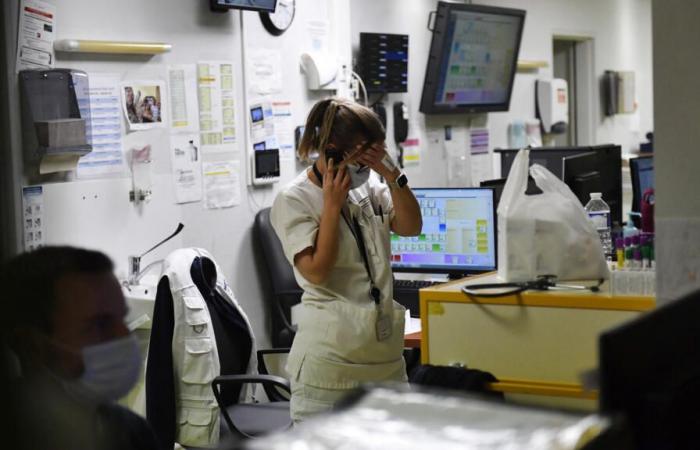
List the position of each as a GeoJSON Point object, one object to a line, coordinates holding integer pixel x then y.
{"type": "Point", "coordinates": [542, 283]}
{"type": "Point", "coordinates": [362, 85]}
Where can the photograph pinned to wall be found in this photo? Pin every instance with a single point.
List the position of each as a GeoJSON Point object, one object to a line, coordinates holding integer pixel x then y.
{"type": "Point", "coordinates": [217, 112]}
{"type": "Point", "coordinates": [143, 103]}
{"type": "Point", "coordinates": [222, 187]}
{"type": "Point", "coordinates": [105, 128]}
{"type": "Point", "coordinates": [186, 158]}
{"type": "Point", "coordinates": [182, 89]}
{"type": "Point", "coordinates": [35, 35]}
{"type": "Point", "coordinates": [33, 217]}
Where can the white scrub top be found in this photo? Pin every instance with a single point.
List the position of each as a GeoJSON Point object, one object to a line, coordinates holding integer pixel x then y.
{"type": "Point", "coordinates": [336, 345]}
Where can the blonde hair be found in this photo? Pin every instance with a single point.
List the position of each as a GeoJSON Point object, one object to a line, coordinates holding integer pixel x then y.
{"type": "Point", "coordinates": [340, 123]}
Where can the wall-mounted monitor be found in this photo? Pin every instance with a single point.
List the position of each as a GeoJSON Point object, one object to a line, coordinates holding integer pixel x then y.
{"type": "Point", "coordinates": [251, 5]}
{"type": "Point", "coordinates": [473, 58]}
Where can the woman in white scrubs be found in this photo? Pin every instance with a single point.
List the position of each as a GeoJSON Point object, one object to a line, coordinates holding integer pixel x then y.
{"type": "Point", "coordinates": [334, 221]}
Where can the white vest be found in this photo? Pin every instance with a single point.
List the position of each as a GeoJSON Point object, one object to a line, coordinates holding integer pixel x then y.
{"type": "Point", "coordinates": [195, 356]}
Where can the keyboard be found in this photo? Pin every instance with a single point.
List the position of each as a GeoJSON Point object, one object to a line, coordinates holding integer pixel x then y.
{"type": "Point", "coordinates": [406, 293]}
{"type": "Point", "coordinates": [413, 284]}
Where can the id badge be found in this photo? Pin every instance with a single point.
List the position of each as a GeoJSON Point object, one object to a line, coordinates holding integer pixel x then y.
{"type": "Point", "coordinates": [383, 326]}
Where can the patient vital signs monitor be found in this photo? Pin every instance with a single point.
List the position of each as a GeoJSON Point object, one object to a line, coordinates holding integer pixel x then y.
{"type": "Point", "coordinates": [458, 236]}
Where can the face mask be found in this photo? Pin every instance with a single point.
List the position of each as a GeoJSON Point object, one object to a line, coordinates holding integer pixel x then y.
{"type": "Point", "coordinates": [358, 175]}
{"type": "Point", "coordinates": [111, 369]}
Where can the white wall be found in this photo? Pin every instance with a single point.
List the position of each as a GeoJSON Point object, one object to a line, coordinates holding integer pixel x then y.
{"type": "Point", "coordinates": [621, 30]}
{"type": "Point", "coordinates": [109, 222]}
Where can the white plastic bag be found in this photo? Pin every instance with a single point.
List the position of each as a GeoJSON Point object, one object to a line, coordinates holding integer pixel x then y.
{"type": "Point", "coordinates": [545, 234]}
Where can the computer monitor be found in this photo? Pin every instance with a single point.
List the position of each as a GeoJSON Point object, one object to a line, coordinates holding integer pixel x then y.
{"type": "Point", "coordinates": [582, 174]}
{"type": "Point", "coordinates": [609, 167]}
{"type": "Point", "coordinates": [650, 372]}
{"type": "Point", "coordinates": [473, 59]}
{"type": "Point", "coordinates": [499, 183]}
{"type": "Point", "coordinates": [642, 174]}
{"type": "Point", "coordinates": [458, 236]}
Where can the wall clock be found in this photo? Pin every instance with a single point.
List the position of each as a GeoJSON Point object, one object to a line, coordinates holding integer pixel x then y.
{"type": "Point", "coordinates": [279, 21]}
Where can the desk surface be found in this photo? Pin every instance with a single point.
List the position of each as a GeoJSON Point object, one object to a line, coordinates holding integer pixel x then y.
{"type": "Point", "coordinates": [452, 292]}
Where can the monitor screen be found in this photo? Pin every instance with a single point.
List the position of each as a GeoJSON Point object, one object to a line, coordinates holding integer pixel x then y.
{"type": "Point", "coordinates": [458, 236]}
{"type": "Point", "coordinates": [642, 174]}
{"type": "Point", "coordinates": [473, 58]}
{"type": "Point", "coordinates": [252, 5]}
{"type": "Point", "coordinates": [608, 164]}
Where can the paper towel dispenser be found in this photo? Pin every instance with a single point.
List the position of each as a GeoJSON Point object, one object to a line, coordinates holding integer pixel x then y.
{"type": "Point", "coordinates": [55, 117]}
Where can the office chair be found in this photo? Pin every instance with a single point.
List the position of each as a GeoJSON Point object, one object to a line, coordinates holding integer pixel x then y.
{"type": "Point", "coordinates": [234, 346]}
{"type": "Point", "coordinates": [285, 290]}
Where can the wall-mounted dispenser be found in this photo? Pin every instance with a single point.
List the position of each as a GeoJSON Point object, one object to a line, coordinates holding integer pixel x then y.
{"type": "Point", "coordinates": [321, 70]}
{"type": "Point", "coordinates": [55, 117]}
{"type": "Point", "coordinates": [552, 105]}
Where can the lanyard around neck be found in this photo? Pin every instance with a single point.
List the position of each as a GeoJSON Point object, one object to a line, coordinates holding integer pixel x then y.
{"type": "Point", "coordinates": [356, 231]}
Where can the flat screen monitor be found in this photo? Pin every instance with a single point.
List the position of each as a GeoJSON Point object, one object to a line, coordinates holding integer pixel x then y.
{"type": "Point", "coordinates": [499, 183]}
{"type": "Point", "coordinates": [650, 372]}
{"type": "Point", "coordinates": [473, 58]}
{"type": "Point", "coordinates": [458, 236]}
{"type": "Point", "coordinates": [582, 174]}
{"type": "Point", "coordinates": [609, 167]}
{"type": "Point", "coordinates": [251, 5]}
{"type": "Point", "coordinates": [642, 174]}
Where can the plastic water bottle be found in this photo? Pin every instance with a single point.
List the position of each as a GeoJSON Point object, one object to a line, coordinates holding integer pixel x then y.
{"type": "Point", "coordinates": [599, 213]}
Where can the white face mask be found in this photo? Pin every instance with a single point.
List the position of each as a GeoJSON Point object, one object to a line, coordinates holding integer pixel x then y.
{"type": "Point", "coordinates": [111, 369]}
{"type": "Point", "coordinates": [358, 175]}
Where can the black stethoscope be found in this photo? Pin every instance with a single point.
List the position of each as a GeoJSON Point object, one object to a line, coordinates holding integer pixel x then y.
{"type": "Point", "coordinates": [542, 283]}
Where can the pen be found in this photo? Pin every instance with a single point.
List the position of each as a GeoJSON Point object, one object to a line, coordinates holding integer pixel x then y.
{"type": "Point", "coordinates": [381, 213]}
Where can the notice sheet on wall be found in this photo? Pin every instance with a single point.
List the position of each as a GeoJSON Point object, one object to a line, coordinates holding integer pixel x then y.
{"type": "Point", "coordinates": [104, 131]}
{"type": "Point", "coordinates": [182, 89]}
{"type": "Point", "coordinates": [217, 118]}
{"type": "Point", "coordinates": [284, 128]}
{"type": "Point", "coordinates": [35, 35]}
{"type": "Point", "coordinates": [222, 188]}
{"type": "Point", "coordinates": [33, 217]}
{"type": "Point", "coordinates": [479, 140]}
{"type": "Point", "coordinates": [411, 151]}
{"type": "Point", "coordinates": [186, 159]}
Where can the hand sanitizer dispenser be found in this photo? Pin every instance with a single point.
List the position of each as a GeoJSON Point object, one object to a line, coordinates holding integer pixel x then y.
{"type": "Point", "coordinates": [552, 105]}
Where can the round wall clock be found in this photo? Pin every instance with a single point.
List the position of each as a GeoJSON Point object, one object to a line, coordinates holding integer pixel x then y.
{"type": "Point", "coordinates": [279, 21]}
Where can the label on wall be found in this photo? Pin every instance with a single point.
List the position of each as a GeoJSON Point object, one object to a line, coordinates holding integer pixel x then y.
{"type": "Point", "coordinates": [33, 217]}
{"type": "Point", "coordinates": [35, 35]}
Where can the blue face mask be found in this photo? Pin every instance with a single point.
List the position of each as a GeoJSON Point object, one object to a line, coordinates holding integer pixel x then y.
{"type": "Point", "coordinates": [111, 370]}
{"type": "Point", "coordinates": [358, 175]}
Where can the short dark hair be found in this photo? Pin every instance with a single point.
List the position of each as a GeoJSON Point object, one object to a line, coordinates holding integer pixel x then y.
{"type": "Point", "coordinates": [29, 281]}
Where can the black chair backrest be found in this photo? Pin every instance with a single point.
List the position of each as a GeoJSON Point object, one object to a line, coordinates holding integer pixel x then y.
{"type": "Point", "coordinates": [286, 292]}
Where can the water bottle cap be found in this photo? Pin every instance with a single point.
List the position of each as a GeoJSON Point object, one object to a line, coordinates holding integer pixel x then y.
{"type": "Point", "coordinates": [628, 241]}
{"type": "Point", "coordinates": [596, 195]}
{"type": "Point", "coordinates": [635, 239]}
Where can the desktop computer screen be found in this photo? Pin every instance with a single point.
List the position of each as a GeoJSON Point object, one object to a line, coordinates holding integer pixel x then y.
{"type": "Point", "coordinates": [602, 173]}
{"type": "Point", "coordinates": [458, 236]}
{"type": "Point", "coordinates": [642, 174]}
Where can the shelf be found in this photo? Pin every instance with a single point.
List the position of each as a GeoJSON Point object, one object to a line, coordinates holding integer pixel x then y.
{"type": "Point", "coordinates": [531, 65]}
